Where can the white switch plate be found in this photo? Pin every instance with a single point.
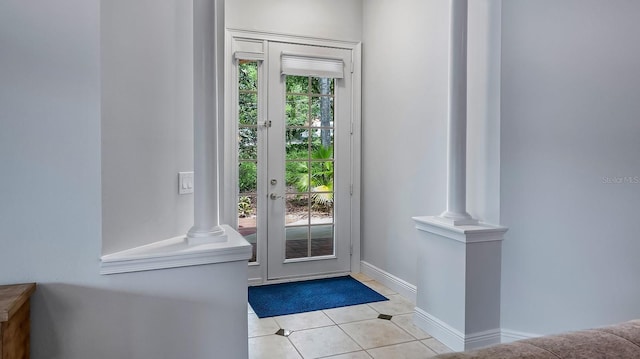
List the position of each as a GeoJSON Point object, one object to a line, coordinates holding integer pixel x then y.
{"type": "Point", "coordinates": [185, 182]}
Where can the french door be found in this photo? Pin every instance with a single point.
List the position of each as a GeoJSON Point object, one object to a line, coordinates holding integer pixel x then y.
{"type": "Point", "coordinates": [295, 160]}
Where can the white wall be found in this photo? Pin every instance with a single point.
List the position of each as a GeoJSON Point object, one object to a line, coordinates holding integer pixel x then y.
{"type": "Point", "coordinates": [404, 127]}
{"type": "Point", "coordinates": [50, 209]}
{"type": "Point", "coordinates": [570, 85]}
{"type": "Point", "coordinates": [147, 120]}
{"type": "Point", "coordinates": [405, 84]}
{"type": "Point", "coordinates": [329, 19]}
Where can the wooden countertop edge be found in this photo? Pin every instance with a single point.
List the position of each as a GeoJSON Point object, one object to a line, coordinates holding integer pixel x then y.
{"type": "Point", "coordinates": [23, 296]}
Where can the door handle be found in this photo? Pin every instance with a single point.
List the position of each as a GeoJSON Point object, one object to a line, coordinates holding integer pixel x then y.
{"type": "Point", "coordinates": [274, 196]}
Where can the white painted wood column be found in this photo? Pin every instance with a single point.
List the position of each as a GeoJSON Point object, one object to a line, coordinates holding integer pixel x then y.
{"type": "Point", "coordinates": [456, 212]}
{"type": "Point", "coordinates": [208, 77]}
{"type": "Point", "coordinates": [459, 258]}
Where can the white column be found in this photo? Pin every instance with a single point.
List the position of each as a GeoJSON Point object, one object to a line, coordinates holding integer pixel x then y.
{"type": "Point", "coordinates": [456, 213]}
{"type": "Point", "coordinates": [459, 260]}
{"type": "Point", "coordinates": [208, 49]}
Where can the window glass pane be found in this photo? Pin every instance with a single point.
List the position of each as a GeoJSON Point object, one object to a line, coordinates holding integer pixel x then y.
{"type": "Point", "coordinates": [321, 240]}
{"type": "Point", "coordinates": [297, 209]}
{"type": "Point", "coordinates": [248, 152]}
{"type": "Point", "coordinates": [297, 110]}
{"type": "Point", "coordinates": [297, 242]}
{"type": "Point", "coordinates": [248, 177]}
{"type": "Point", "coordinates": [248, 74]}
{"type": "Point", "coordinates": [297, 145]}
{"type": "Point", "coordinates": [321, 176]}
{"type": "Point", "coordinates": [321, 111]}
{"type": "Point", "coordinates": [297, 84]}
{"type": "Point", "coordinates": [297, 226]}
{"type": "Point", "coordinates": [321, 143]}
{"type": "Point", "coordinates": [248, 109]}
{"type": "Point", "coordinates": [248, 143]}
{"type": "Point", "coordinates": [322, 86]}
{"type": "Point", "coordinates": [297, 176]}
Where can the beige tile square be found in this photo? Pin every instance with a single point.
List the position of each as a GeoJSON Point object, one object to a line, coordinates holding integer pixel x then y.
{"type": "Point", "coordinates": [376, 333]}
{"type": "Point", "coordinates": [272, 346]}
{"type": "Point", "coordinates": [436, 346]}
{"type": "Point", "coordinates": [260, 327]}
{"type": "Point", "coordinates": [379, 288]}
{"type": "Point", "coordinates": [410, 350]}
{"type": "Point", "coordinates": [303, 321]}
{"type": "Point", "coordinates": [394, 306]}
{"type": "Point", "coordinates": [405, 321]}
{"type": "Point", "coordinates": [322, 342]}
{"type": "Point", "coordinates": [351, 313]}
{"type": "Point", "coordinates": [361, 277]}
{"type": "Point", "coordinates": [355, 355]}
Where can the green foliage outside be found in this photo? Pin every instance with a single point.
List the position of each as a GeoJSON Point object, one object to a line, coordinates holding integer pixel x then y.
{"type": "Point", "coordinates": [308, 116]}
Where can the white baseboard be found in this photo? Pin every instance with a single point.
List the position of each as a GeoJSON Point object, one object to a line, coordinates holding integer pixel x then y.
{"type": "Point", "coordinates": [438, 329]}
{"type": "Point", "coordinates": [508, 336]}
{"type": "Point", "coordinates": [392, 282]}
{"type": "Point", "coordinates": [452, 337]}
{"type": "Point", "coordinates": [483, 339]}
{"type": "Point", "coordinates": [435, 327]}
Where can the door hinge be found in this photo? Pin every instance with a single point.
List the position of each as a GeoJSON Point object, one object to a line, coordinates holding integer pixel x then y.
{"type": "Point", "coordinates": [266, 124]}
{"type": "Point", "coordinates": [351, 249]}
{"type": "Point", "coordinates": [351, 189]}
{"type": "Point", "coordinates": [351, 128]}
{"type": "Point", "coordinates": [352, 67]}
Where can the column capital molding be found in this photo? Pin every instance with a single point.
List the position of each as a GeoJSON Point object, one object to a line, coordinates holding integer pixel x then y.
{"type": "Point", "coordinates": [474, 233]}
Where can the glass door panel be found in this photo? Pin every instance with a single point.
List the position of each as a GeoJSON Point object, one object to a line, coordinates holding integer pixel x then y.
{"type": "Point", "coordinates": [247, 192]}
{"type": "Point", "coordinates": [309, 167]}
{"type": "Point", "coordinates": [309, 159]}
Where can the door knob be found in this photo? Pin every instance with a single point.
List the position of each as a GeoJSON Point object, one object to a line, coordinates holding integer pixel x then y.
{"type": "Point", "coordinates": [274, 196]}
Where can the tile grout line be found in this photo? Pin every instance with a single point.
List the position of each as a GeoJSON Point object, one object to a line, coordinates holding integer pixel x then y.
{"type": "Point", "coordinates": [295, 347]}
{"type": "Point", "coordinates": [339, 326]}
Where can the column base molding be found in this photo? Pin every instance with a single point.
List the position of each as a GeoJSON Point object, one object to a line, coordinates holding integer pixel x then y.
{"type": "Point", "coordinates": [177, 252]}
{"type": "Point", "coordinates": [216, 234]}
{"type": "Point", "coordinates": [458, 283]}
{"type": "Point", "coordinates": [451, 337]}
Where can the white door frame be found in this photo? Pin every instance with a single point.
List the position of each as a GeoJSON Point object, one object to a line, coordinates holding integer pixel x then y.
{"type": "Point", "coordinates": [254, 44]}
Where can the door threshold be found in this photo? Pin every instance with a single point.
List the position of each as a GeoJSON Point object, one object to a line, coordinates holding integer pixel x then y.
{"type": "Point", "coordinates": [257, 282]}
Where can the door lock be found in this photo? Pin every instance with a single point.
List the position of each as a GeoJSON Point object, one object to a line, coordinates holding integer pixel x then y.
{"type": "Point", "coordinates": [274, 182]}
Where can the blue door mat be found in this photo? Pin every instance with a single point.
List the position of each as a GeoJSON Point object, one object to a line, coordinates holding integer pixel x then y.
{"type": "Point", "coordinates": [298, 297]}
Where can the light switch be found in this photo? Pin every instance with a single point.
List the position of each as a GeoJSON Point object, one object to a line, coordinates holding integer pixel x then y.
{"type": "Point", "coordinates": [185, 182]}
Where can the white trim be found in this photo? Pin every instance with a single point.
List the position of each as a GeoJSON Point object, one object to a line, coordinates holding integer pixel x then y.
{"type": "Point", "coordinates": [508, 335]}
{"type": "Point", "coordinates": [392, 282]}
{"type": "Point", "coordinates": [481, 232]}
{"type": "Point", "coordinates": [177, 252]}
{"type": "Point", "coordinates": [292, 39]}
{"type": "Point", "coordinates": [356, 156]}
{"type": "Point", "coordinates": [438, 329]}
{"type": "Point", "coordinates": [452, 337]}
{"type": "Point", "coordinates": [482, 339]}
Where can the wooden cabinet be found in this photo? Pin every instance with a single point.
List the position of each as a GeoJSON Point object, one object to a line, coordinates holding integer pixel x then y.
{"type": "Point", "coordinates": [14, 320]}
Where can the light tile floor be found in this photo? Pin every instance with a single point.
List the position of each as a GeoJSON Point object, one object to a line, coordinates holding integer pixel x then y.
{"type": "Point", "coordinates": [345, 333]}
